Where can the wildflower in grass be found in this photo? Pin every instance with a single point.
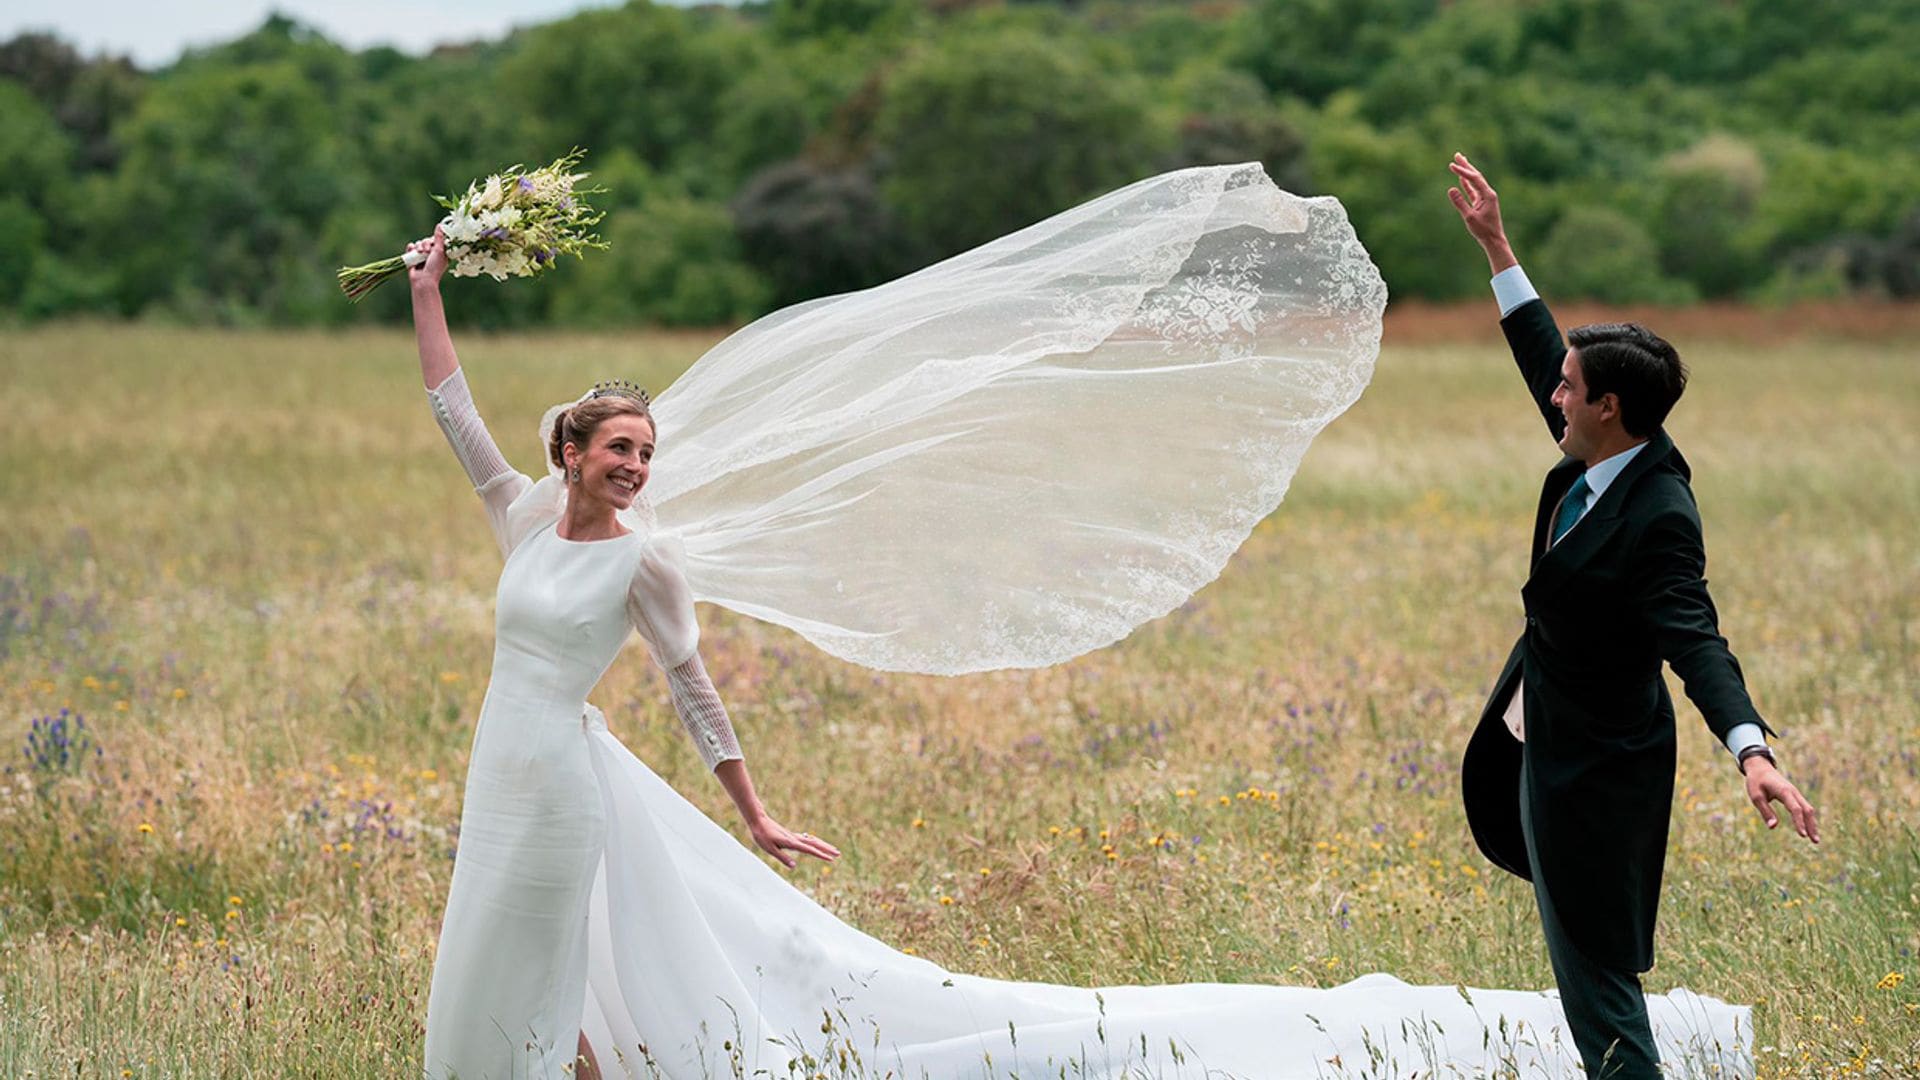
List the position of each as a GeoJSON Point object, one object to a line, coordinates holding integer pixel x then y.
{"type": "Point", "coordinates": [429, 775]}
{"type": "Point", "coordinates": [449, 677]}
{"type": "Point", "coordinates": [179, 693]}
{"type": "Point", "coordinates": [919, 823]}
{"type": "Point", "coordinates": [60, 743]}
{"type": "Point", "coordinates": [235, 901]}
{"type": "Point", "coordinates": [146, 827]}
{"type": "Point", "coordinates": [946, 901]}
{"type": "Point", "coordinates": [1890, 981]}
{"type": "Point", "coordinates": [986, 872]}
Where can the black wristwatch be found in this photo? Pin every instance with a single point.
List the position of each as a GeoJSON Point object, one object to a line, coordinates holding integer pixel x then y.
{"type": "Point", "coordinates": [1757, 750]}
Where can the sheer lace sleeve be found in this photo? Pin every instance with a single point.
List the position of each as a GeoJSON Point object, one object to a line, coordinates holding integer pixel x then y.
{"type": "Point", "coordinates": [702, 714]}
{"type": "Point", "coordinates": [498, 485]}
{"type": "Point", "coordinates": [660, 606]}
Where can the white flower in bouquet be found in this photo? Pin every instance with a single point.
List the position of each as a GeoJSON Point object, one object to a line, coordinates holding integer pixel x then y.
{"type": "Point", "coordinates": [514, 224]}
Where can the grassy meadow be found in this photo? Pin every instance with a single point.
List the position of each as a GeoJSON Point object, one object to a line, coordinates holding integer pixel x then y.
{"type": "Point", "coordinates": [245, 625]}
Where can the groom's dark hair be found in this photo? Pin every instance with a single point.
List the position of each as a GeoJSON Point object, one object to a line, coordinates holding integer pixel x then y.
{"type": "Point", "coordinates": [1635, 365]}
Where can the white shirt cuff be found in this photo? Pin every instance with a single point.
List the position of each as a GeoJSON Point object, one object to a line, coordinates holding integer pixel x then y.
{"type": "Point", "coordinates": [1512, 289]}
{"type": "Point", "coordinates": [1743, 736]}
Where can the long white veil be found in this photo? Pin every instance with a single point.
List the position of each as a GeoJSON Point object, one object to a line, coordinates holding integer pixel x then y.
{"type": "Point", "coordinates": [1026, 451]}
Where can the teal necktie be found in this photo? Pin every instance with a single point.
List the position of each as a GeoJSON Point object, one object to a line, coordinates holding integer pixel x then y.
{"type": "Point", "coordinates": [1572, 504]}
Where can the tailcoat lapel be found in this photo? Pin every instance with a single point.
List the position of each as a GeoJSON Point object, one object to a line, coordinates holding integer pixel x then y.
{"type": "Point", "coordinates": [1554, 565]}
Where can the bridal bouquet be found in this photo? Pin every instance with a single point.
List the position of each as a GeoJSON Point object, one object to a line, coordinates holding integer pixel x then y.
{"type": "Point", "coordinates": [513, 224]}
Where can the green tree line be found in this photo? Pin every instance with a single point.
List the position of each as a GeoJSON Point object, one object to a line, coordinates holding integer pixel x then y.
{"type": "Point", "coordinates": [757, 155]}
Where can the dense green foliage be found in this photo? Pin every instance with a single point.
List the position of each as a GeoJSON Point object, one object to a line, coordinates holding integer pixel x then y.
{"type": "Point", "coordinates": [1646, 149]}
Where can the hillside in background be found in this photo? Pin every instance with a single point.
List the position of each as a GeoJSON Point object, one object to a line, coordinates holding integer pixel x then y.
{"type": "Point", "coordinates": [1647, 151]}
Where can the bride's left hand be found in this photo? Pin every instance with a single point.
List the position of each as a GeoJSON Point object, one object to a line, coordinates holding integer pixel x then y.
{"type": "Point", "coordinates": [782, 843]}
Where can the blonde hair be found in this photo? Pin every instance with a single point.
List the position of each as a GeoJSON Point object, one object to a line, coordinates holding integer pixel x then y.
{"type": "Point", "coordinates": [577, 424]}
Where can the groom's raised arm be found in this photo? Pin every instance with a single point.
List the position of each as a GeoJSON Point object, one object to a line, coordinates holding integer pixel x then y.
{"type": "Point", "coordinates": [1531, 333]}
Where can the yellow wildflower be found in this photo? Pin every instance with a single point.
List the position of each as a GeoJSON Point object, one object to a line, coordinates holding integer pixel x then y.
{"type": "Point", "coordinates": [146, 827]}
{"type": "Point", "coordinates": [919, 823]}
{"type": "Point", "coordinates": [449, 677]}
{"type": "Point", "coordinates": [179, 693]}
{"type": "Point", "coordinates": [1890, 981]}
{"type": "Point", "coordinates": [946, 901]}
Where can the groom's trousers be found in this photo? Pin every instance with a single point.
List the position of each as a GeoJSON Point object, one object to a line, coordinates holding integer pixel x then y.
{"type": "Point", "coordinates": [1606, 1009]}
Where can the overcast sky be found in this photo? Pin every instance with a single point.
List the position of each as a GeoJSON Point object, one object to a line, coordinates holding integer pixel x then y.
{"type": "Point", "coordinates": [154, 32]}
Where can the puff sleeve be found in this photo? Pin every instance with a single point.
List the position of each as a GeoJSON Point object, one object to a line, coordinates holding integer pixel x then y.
{"type": "Point", "coordinates": [660, 606]}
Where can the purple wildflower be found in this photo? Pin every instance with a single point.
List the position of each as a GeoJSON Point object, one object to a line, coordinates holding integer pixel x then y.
{"type": "Point", "coordinates": [526, 183]}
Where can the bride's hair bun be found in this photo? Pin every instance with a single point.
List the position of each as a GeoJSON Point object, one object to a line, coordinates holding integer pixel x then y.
{"type": "Point", "coordinates": [577, 423]}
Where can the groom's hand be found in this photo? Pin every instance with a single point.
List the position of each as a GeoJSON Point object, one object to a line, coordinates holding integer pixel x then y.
{"type": "Point", "coordinates": [1479, 208]}
{"type": "Point", "coordinates": [1766, 786]}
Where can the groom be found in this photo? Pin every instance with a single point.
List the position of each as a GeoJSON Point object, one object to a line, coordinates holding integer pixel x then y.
{"type": "Point", "coordinates": [1568, 779]}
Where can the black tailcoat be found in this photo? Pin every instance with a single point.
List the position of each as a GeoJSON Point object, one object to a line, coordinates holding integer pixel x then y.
{"type": "Point", "coordinates": [1622, 592]}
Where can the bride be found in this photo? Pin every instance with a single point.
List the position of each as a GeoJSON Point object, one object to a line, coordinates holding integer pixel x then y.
{"type": "Point", "coordinates": [1006, 459]}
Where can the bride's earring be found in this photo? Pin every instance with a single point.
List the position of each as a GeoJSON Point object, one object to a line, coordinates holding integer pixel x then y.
{"type": "Point", "coordinates": [575, 475]}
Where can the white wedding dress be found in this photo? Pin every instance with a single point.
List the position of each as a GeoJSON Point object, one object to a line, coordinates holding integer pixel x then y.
{"type": "Point", "coordinates": [588, 897]}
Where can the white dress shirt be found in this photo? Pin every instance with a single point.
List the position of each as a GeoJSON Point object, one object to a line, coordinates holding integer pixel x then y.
{"type": "Point", "coordinates": [1510, 290]}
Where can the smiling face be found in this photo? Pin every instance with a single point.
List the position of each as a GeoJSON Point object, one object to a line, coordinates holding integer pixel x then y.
{"type": "Point", "coordinates": [1591, 425]}
{"type": "Point", "coordinates": [614, 466]}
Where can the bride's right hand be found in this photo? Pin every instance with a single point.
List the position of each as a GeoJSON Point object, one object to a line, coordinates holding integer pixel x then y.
{"type": "Point", "coordinates": [779, 841]}
{"type": "Point", "coordinates": [427, 274]}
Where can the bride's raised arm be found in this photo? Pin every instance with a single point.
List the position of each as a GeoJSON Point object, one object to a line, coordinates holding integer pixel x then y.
{"type": "Point", "coordinates": [495, 481]}
{"type": "Point", "coordinates": [660, 606]}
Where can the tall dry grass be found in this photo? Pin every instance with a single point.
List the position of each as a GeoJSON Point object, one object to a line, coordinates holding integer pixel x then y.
{"type": "Point", "coordinates": [247, 562]}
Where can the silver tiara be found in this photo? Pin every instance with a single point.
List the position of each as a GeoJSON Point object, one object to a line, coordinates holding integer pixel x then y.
{"type": "Point", "coordinates": [620, 388]}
